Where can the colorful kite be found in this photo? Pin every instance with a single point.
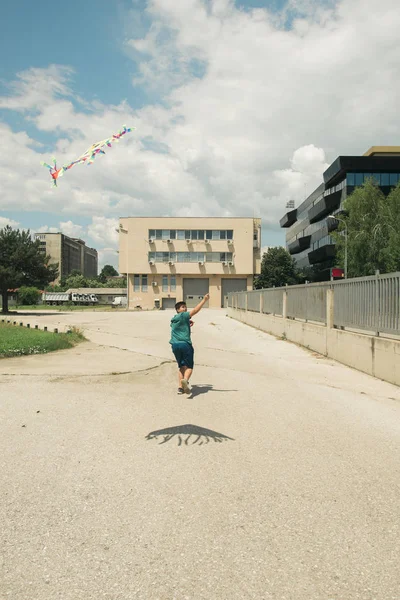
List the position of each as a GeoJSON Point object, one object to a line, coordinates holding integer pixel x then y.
{"type": "Point", "coordinates": [87, 157]}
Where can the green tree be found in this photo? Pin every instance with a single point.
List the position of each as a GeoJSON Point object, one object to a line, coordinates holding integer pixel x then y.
{"type": "Point", "coordinates": [116, 283]}
{"type": "Point", "coordinates": [28, 295]}
{"type": "Point", "coordinates": [368, 224]}
{"type": "Point", "coordinates": [75, 281]}
{"type": "Point", "coordinates": [277, 269]}
{"type": "Point", "coordinates": [22, 263]}
{"type": "Point", "coordinates": [393, 202]}
{"type": "Point", "coordinates": [109, 271]}
{"type": "Point", "coordinates": [93, 283]}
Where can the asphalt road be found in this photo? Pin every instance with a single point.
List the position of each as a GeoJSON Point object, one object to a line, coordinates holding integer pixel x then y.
{"type": "Point", "coordinates": [279, 479]}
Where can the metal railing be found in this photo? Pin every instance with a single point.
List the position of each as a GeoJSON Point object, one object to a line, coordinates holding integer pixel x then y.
{"type": "Point", "coordinates": [365, 303]}
{"type": "Point", "coordinates": [371, 303]}
{"type": "Point", "coordinates": [307, 302]}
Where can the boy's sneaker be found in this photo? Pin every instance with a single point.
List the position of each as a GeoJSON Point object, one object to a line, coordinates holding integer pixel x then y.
{"type": "Point", "coordinates": [180, 391]}
{"type": "Point", "coordinates": [186, 387]}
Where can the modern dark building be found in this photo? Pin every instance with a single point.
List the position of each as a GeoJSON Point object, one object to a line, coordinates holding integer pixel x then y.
{"type": "Point", "coordinates": [308, 236]}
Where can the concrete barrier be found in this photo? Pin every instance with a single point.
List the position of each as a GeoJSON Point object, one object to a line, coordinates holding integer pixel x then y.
{"type": "Point", "coordinates": [376, 356]}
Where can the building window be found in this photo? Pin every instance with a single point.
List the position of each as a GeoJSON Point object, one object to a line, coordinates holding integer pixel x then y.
{"type": "Point", "coordinates": [359, 178]}
{"type": "Point", "coordinates": [144, 283]}
{"type": "Point", "coordinates": [385, 179]}
{"type": "Point", "coordinates": [190, 234]}
{"type": "Point", "coordinates": [165, 283]}
{"type": "Point", "coordinates": [189, 257]}
{"type": "Point", "coordinates": [136, 283]}
{"type": "Point", "coordinates": [172, 283]}
{"type": "Point", "coordinates": [381, 179]}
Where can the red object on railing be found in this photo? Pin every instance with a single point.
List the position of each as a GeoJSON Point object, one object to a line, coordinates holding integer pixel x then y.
{"type": "Point", "coordinates": [337, 273]}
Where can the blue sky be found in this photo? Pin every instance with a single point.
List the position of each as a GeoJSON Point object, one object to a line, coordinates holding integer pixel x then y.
{"type": "Point", "coordinates": [237, 107]}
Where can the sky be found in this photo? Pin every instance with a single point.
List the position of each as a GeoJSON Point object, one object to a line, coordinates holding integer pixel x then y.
{"type": "Point", "coordinates": [237, 107]}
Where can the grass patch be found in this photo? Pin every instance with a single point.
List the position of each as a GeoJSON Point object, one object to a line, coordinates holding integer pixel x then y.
{"type": "Point", "coordinates": [19, 341]}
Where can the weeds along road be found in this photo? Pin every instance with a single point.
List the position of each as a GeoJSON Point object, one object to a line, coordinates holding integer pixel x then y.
{"type": "Point", "coordinates": [279, 479]}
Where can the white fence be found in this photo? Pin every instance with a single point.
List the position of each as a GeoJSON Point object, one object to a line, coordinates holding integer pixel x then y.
{"type": "Point", "coordinates": [364, 303]}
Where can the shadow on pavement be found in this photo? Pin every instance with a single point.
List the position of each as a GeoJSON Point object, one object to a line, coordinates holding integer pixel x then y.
{"type": "Point", "coordinates": [187, 435]}
{"type": "Point", "coordinates": [197, 390]}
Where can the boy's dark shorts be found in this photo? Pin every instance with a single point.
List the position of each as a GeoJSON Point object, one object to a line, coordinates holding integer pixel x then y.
{"type": "Point", "coordinates": [184, 354]}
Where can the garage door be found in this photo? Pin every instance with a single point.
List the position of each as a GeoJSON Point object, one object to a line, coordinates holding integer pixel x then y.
{"type": "Point", "coordinates": [168, 303]}
{"type": "Point", "coordinates": [194, 290]}
{"type": "Point", "coordinates": [232, 285]}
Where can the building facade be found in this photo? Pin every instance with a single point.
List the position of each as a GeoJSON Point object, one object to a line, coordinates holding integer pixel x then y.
{"type": "Point", "coordinates": [309, 227]}
{"type": "Point", "coordinates": [70, 254]}
{"type": "Point", "coordinates": [173, 259]}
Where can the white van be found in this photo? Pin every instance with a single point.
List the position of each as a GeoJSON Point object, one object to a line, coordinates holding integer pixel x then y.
{"type": "Point", "coordinates": [119, 301]}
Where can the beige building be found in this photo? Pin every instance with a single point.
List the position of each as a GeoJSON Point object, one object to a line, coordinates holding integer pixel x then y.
{"type": "Point", "coordinates": [69, 253]}
{"type": "Point", "coordinates": [173, 259]}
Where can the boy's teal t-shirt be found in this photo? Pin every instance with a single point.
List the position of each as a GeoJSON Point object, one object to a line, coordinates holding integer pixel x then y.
{"type": "Point", "coordinates": [180, 328]}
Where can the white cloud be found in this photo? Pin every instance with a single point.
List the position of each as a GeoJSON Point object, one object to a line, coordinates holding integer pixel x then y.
{"type": "Point", "coordinates": [4, 221]}
{"type": "Point", "coordinates": [108, 256]}
{"type": "Point", "coordinates": [255, 106]}
{"type": "Point", "coordinates": [103, 231]}
{"type": "Point", "coordinates": [72, 229]}
{"type": "Point", "coordinates": [34, 89]}
{"type": "Point", "coordinates": [47, 229]}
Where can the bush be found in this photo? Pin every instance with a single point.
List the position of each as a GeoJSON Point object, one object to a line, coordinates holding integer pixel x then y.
{"type": "Point", "coordinates": [27, 296]}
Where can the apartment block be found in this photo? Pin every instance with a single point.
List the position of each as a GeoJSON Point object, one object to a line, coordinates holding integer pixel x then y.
{"type": "Point", "coordinates": [70, 254]}
{"type": "Point", "coordinates": [309, 226]}
{"type": "Point", "coordinates": [180, 258]}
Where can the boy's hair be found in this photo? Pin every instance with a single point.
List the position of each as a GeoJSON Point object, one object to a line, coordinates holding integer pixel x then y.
{"type": "Point", "coordinates": [178, 305]}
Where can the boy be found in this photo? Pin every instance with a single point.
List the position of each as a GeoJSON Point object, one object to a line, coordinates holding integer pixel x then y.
{"type": "Point", "coordinates": [181, 342]}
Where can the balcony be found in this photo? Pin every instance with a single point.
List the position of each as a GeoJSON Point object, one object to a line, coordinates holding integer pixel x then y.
{"type": "Point", "coordinates": [321, 254]}
{"type": "Point", "coordinates": [324, 207]}
{"type": "Point", "coordinates": [288, 219]}
{"type": "Point", "coordinates": [299, 245]}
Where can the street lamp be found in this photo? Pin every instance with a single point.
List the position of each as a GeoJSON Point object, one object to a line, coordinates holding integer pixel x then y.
{"type": "Point", "coordinates": [121, 229]}
{"type": "Point", "coordinates": [345, 241]}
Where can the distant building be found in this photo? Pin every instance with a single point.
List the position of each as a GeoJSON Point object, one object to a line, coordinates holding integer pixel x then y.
{"type": "Point", "coordinates": [168, 259]}
{"type": "Point", "coordinates": [70, 254]}
{"type": "Point", "coordinates": [309, 227]}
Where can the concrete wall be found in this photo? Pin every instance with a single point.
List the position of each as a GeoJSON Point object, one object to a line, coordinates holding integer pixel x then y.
{"type": "Point", "coordinates": [376, 356]}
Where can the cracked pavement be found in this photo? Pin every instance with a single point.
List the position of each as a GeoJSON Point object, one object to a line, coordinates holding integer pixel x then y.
{"type": "Point", "coordinates": [279, 479]}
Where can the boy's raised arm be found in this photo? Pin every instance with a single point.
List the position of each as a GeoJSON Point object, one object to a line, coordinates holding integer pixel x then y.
{"type": "Point", "coordinates": [200, 305]}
